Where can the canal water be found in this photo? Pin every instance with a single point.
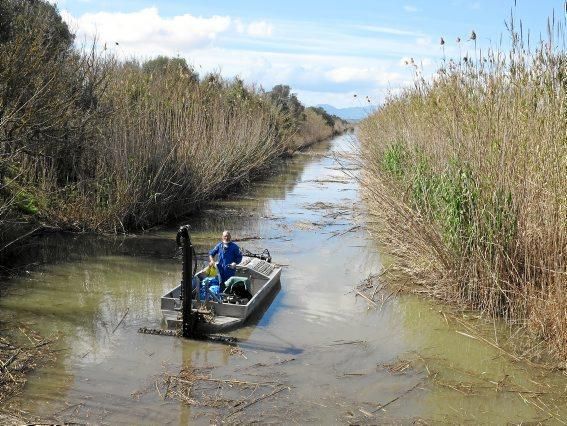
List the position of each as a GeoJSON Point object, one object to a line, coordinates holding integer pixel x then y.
{"type": "Point", "coordinates": [320, 353]}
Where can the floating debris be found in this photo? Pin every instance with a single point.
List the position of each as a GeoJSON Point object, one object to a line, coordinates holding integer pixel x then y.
{"type": "Point", "coordinates": [348, 342]}
{"type": "Point", "coordinates": [198, 388]}
{"type": "Point", "coordinates": [160, 332]}
{"type": "Point", "coordinates": [323, 181]}
{"type": "Point", "coordinates": [307, 226]}
{"type": "Point", "coordinates": [319, 205]}
{"type": "Point", "coordinates": [399, 366]}
{"type": "Point", "coordinates": [17, 360]}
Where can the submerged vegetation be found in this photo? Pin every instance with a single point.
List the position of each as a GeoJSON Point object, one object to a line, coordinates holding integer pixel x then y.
{"type": "Point", "coordinates": [89, 142]}
{"type": "Point", "coordinates": [466, 186]}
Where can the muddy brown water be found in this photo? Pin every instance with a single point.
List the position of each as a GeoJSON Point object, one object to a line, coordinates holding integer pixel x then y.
{"type": "Point", "coordinates": [329, 348]}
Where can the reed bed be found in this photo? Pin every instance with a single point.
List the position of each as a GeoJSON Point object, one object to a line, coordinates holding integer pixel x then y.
{"type": "Point", "coordinates": [318, 126]}
{"type": "Point", "coordinates": [89, 142]}
{"type": "Point", "coordinates": [171, 145]}
{"type": "Point", "coordinates": [312, 130]}
{"type": "Point", "coordinates": [465, 183]}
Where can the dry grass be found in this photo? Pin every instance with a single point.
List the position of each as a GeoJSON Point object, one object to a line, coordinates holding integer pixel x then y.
{"type": "Point", "coordinates": [465, 183]}
{"type": "Point", "coordinates": [312, 130]}
{"type": "Point", "coordinates": [316, 128]}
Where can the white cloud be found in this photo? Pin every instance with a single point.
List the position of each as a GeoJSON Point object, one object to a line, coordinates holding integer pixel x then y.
{"type": "Point", "coordinates": [343, 74]}
{"type": "Point", "coordinates": [410, 9]}
{"type": "Point", "coordinates": [254, 28]}
{"type": "Point", "coordinates": [353, 74]}
{"type": "Point", "coordinates": [388, 30]}
{"type": "Point", "coordinates": [340, 100]}
{"type": "Point", "coordinates": [145, 31]}
{"type": "Point", "coordinates": [423, 41]}
{"type": "Point", "coordinates": [239, 26]}
{"type": "Point", "coordinates": [331, 78]}
{"type": "Point", "coordinates": [315, 60]}
{"type": "Point", "coordinates": [331, 74]}
{"type": "Point", "coordinates": [259, 29]}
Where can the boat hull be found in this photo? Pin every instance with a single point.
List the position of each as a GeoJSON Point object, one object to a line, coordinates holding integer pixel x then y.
{"type": "Point", "coordinates": [264, 278]}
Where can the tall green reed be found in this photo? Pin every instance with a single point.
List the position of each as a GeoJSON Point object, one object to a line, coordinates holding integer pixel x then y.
{"type": "Point", "coordinates": [465, 181]}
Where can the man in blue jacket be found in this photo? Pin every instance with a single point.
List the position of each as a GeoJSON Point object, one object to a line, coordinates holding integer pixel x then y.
{"type": "Point", "coordinates": [229, 256]}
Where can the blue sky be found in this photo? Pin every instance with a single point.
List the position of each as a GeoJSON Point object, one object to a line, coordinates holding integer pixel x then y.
{"type": "Point", "coordinates": [326, 51]}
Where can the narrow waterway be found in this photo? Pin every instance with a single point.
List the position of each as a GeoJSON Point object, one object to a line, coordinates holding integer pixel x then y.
{"type": "Point", "coordinates": [338, 357]}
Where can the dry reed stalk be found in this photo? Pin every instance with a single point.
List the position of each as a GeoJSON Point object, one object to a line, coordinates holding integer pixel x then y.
{"type": "Point", "coordinates": [313, 129]}
{"type": "Point", "coordinates": [192, 387]}
{"type": "Point", "coordinates": [464, 177]}
{"type": "Point", "coordinates": [171, 145]}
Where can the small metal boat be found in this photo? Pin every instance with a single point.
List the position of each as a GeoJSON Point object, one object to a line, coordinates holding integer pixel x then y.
{"type": "Point", "coordinates": [226, 312]}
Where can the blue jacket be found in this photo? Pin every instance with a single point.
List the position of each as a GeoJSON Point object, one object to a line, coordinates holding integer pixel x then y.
{"type": "Point", "coordinates": [226, 257]}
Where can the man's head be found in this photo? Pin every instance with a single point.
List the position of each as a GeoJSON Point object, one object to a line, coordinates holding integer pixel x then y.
{"type": "Point", "coordinates": [226, 237]}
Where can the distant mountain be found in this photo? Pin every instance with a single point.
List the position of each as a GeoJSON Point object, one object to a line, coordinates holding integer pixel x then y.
{"type": "Point", "coordinates": [353, 113]}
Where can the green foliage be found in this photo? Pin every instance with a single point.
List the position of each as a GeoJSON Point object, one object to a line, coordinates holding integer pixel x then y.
{"type": "Point", "coordinates": [457, 197]}
{"type": "Point", "coordinates": [164, 64]}
{"type": "Point", "coordinates": [16, 196]}
{"type": "Point", "coordinates": [329, 119]}
{"type": "Point", "coordinates": [287, 102]}
{"type": "Point", "coordinates": [25, 16]}
{"type": "Point", "coordinates": [237, 93]}
{"type": "Point", "coordinates": [393, 160]}
{"type": "Point", "coordinates": [451, 199]}
{"type": "Point", "coordinates": [500, 220]}
{"type": "Point", "coordinates": [48, 94]}
{"type": "Point", "coordinates": [26, 203]}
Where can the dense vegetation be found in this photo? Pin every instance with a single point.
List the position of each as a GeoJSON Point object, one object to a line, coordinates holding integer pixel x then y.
{"type": "Point", "coordinates": [466, 185]}
{"type": "Point", "coordinates": [88, 142]}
